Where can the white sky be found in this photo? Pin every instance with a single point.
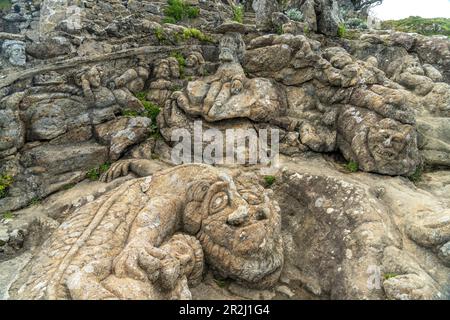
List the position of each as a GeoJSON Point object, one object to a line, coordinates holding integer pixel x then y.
{"type": "Point", "coordinates": [399, 9]}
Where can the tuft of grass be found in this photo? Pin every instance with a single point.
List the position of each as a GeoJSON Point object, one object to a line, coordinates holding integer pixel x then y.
{"type": "Point", "coordinates": [6, 181]}
{"type": "Point", "coordinates": [5, 5]}
{"type": "Point", "coordinates": [238, 13]}
{"type": "Point", "coordinates": [95, 173]}
{"type": "Point", "coordinates": [7, 215]}
{"type": "Point", "coordinates": [35, 201]}
{"type": "Point", "coordinates": [388, 276]}
{"type": "Point", "coordinates": [416, 177]}
{"type": "Point", "coordinates": [160, 34]}
{"type": "Point", "coordinates": [189, 33]}
{"type": "Point", "coordinates": [424, 26]}
{"type": "Point", "coordinates": [150, 111]}
{"type": "Point", "coordinates": [270, 180]}
{"type": "Point", "coordinates": [352, 166]}
{"type": "Point", "coordinates": [178, 10]}
{"type": "Point", "coordinates": [342, 31]}
{"type": "Point", "coordinates": [69, 186]}
{"type": "Point", "coordinates": [181, 62]}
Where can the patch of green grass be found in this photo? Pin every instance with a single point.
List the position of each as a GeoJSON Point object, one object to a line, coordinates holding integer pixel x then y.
{"type": "Point", "coordinates": [150, 111]}
{"type": "Point", "coordinates": [69, 186]}
{"type": "Point", "coordinates": [5, 5]}
{"type": "Point", "coordinates": [417, 175]}
{"type": "Point", "coordinates": [388, 276]}
{"type": "Point", "coordinates": [6, 181]}
{"type": "Point", "coordinates": [35, 201]}
{"type": "Point", "coordinates": [424, 26]}
{"type": "Point", "coordinates": [178, 10]}
{"type": "Point", "coordinates": [342, 31]}
{"type": "Point", "coordinates": [7, 215]}
{"type": "Point", "coordinates": [238, 13]}
{"type": "Point", "coordinates": [352, 166]}
{"type": "Point", "coordinates": [160, 34]}
{"type": "Point", "coordinates": [181, 62]}
{"type": "Point", "coordinates": [189, 33]}
{"type": "Point", "coordinates": [270, 180]}
{"type": "Point", "coordinates": [95, 173]}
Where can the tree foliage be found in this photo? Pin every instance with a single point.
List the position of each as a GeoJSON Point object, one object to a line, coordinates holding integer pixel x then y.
{"type": "Point", "coordinates": [360, 5]}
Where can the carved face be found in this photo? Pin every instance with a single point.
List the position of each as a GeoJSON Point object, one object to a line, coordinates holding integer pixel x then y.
{"type": "Point", "coordinates": [162, 70]}
{"type": "Point", "coordinates": [94, 77]}
{"type": "Point", "coordinates": [15, 53]}
{"type": "Point", "coordinates": [240, 230]}
{"type": "Point", "coordinates": [388, 140]}
{"type": "Point", "coordinates": [413, 66]}
{"type": "Point", "coordinates": [192, 61]}
{"type": "Point", "coordinates": [231, 48]}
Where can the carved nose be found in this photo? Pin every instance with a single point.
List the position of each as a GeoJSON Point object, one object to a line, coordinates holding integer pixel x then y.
{"type": "Point", "coordinates": [238, 217]}
{"type": "Point", "coordinates": [387, 142]}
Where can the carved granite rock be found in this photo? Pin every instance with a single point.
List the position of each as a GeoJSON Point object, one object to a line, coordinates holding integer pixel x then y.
{"type": "Point", "coordinates": [126, 245]}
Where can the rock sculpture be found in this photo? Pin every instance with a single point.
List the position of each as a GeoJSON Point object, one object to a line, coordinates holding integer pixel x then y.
{"type": "Point", "coordinates": [14, 52]}
{"type": "Point", "coordinates": [125, 244]}
{"type": "Point", "coordinates": [165, 72]}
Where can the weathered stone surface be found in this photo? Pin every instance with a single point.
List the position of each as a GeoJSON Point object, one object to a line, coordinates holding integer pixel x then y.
{"type": "Point", "coordinates": [156, 262]}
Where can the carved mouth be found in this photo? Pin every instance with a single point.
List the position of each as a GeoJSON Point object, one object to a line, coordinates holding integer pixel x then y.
{"type": "Point", "coordinates": [247, 269]}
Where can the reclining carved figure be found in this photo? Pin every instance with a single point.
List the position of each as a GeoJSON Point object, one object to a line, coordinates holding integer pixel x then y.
{"type": "Point", "coordinates": [229, 94]}
{"type": "Point", "coordinates": [133, 242]}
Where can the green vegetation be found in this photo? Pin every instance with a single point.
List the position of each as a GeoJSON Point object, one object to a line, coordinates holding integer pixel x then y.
{"type": "Point", "coordinates": [342, 31]}
{"type": "Point", "coordinates": [95, 173]}
{"type": "Point", "coordinates": [178, 10]}
{"type": "Point", "coordinates": [295, 14]}
{"type": "Point", "coordinates": [160, 35]}
{"type": "Point", "coordinates": [427, 27]}
{"type": "Point", "coordinates": [5, 5]}
{"type": "Point", "coordinates": [189, 33]}
{"type": "Point", "coordinates": [5, 182]}
{"type": "Point", "coordinates": [151, 111]}
{"type": "Point", "coordinates": [221, 283]}
{"type": "Point", "coordinates": [388, 276]}
{"type": "Point", "coordinates": [352, 166]}
{"type": "Point", "coordinates": [238, 13]}
{"type": "Point", "coordinates": [7, 215]}
{"type": "Point", "coordinates": [417, 175]}
{"type": "Point", "coordinates": [270, 180]}
{"type": "Point", "coordinates": [35, 201]}
{"type": "Point", "coordinates": [181, 62]}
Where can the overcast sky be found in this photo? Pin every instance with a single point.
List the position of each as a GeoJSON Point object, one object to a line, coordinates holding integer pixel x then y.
{"type": "Point", "coordinates": [399, 9]}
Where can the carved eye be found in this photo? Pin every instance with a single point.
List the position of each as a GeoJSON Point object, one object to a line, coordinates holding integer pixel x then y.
{"type": "Point", "coordinates": [218, 202]}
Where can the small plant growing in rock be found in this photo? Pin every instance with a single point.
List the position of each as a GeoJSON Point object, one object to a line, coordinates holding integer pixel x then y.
{"type": "Point", "coordinates": [270, 180]}
{"type": "Point", "coordinates": [388, 276]}
{"type": "Point", "coordinates": [95, 173]}
{"type": "Point", "coordinates": [352, 166]}
{"type": "Point", "coordinates": [356, 23]}
{"type": "Point", "coordinates": [7, 215]}
{"type": "Point", "coordinates": [160, 35]}
{"type": "Point", "coordinates": [5, 5]}
{"type": "Point", "coordinates": [295, 15]}
{"type": "Point", "coordinates": [189, 33]}
{"type": "Point", "coordinates": [178, 10]}
{"type": "Point", "coordinates": [35, 201]}
{"type": "Point", "coordinates": [342, 31]}
{"type": "Point", "coordinates": [416, 177]}
{"type": "Point", "coordinates": [151, 111]}
{"type": "Point", "coordinates": [5, 182]}
{"type": "Point", "coordinates": [181, 61]}
{"type": "Point", "coordinates": [238, 13]}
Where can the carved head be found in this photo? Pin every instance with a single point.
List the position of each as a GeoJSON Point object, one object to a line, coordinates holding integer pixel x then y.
{"type": "Point", "coordinates": [239, 228]}
{"type": "Point", "coordinates": [194, 60]}
{"type": "Point", "coordinates": [93, 75]}
{"type": "Point", "coordinates": [167, 69]}
{"type": "Point", "coordinates": [232, 48]}
{"type": "Point", "coordinates": [14, 51]}
{"type": "Point", "coordinates": [391, 142]}
{"type": "Point", "coordinates": [413, 66]}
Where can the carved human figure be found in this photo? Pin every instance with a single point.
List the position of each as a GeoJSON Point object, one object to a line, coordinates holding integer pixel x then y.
{"type": "Point", "coordinates": [229, 93]}
{"type": "Point", "coordinates": [195, 65]}
{"type": "Point", "coordinates": [378, 144]}
{"type": "Point", "coordinates": [14, 52]}
{"type": "Point", "coordinates": [410, 73]}
{"type": "Point", "coordinates": [165, 72]}
{"type": "Point", "coordinates": [127, 244]}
